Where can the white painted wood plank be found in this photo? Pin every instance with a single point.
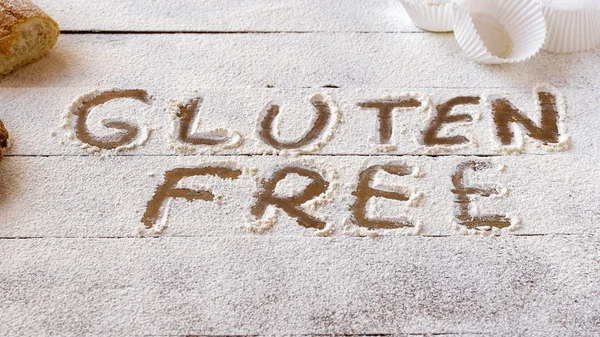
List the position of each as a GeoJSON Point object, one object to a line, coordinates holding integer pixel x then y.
{"type": "Point", "coordinates": [535, 286]}
{"type": "Point", "coordinates": [208, 274]}
{"type": "Point", "coordinates": [289, 61]}
{"type": "Point", "coordinates": [88, 197]}
{"type": "Point", "coordinates": [230, 15]}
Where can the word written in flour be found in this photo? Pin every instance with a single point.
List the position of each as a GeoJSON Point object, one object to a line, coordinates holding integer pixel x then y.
{"type": "Point", "coordinates": [452, 124]}
{"type": "Point", "coordinates": [408, 123]}
{"type": "Point", "coordinates": [318, 188]}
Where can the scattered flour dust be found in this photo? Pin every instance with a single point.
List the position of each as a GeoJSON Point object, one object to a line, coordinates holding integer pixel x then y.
{"type": "Point", "coordinates": [266, 223]}
{"type": "Point", "coordinates": [384, 148]}
{"type": "Point", "coordinates": [515, 225]}
{"type": "Point", "coordinates": [417, 172]}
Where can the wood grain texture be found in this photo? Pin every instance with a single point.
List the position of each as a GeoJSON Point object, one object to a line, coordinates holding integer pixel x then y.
{"type": "Point", "coordinates": [71, 260]}
{"type": "Point", "coordinates": [239, 109]}
{"type": "Point", "coordinates": [230, 15]}
{"type": "Point", "coordinates": [347, 60]}
{"type": "Point", "coordinates": [107, 198]}
{"type": "Point", "coordinates": [178, 286]}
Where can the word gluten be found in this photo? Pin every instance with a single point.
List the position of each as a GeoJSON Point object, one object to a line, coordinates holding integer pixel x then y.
{"type": "Point", "coordinates": [509, 123]}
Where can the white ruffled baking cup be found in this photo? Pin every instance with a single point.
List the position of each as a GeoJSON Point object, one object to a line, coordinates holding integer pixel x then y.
{"type": "Point", "coordinates": [430, 15]}
{"type": "Point", "coordinates": [499, 31]}
{"type": "Point", "coordinates": [573, 26]}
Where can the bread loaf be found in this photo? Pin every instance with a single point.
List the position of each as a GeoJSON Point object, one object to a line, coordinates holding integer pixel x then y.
{"type": "Point", "coordinates": [26, 34]}
{"type": "Point", "coordinates": [3, 137]}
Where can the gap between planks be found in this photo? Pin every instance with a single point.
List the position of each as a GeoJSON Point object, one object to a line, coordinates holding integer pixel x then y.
{"type": "Point", "coordinates": [261, 237]}
{"type": "Point", "coordinates": [423, 334]}
{"type": "Point", "coordinates": [228, 32]}
{"type": "Point", "coordinates": [271, 155]}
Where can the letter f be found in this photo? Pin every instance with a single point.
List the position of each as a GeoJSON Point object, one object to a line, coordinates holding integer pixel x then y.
{"type": "Point", "coordinates": [168, 190]}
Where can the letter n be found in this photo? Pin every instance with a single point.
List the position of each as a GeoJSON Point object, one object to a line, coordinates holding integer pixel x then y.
{"type": "Point", "coordinates": [505, 114]}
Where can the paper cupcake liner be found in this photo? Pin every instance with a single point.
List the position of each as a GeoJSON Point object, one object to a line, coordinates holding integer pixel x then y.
{"type": "Point", "coordinates": [430, 15]}
{"type": "Point", "coordinates": [573, 26]}
{"type": "Point", "coordinates": [499, 31]}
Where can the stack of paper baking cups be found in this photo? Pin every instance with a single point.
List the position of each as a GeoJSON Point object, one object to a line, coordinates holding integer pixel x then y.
{"type": "Point", "coordinates": [510, 31]}
{"type": "Point", "coordinates": [572, 25]}
{"type": "Point", "coordinates": [432, 15]}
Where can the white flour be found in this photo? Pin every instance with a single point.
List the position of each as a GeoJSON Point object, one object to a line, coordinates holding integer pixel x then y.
{"type": "Point", "coordinates": [78, 261]}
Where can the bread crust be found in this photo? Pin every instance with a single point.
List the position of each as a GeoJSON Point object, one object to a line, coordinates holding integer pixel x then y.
{"type": "Point", "coordinates": [13, 15]}
{"type": "Point", "coordinates": [3, 137]}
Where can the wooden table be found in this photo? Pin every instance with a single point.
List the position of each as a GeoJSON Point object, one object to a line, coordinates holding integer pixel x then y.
{"type": "Point", "coordinates": [74, 261]}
